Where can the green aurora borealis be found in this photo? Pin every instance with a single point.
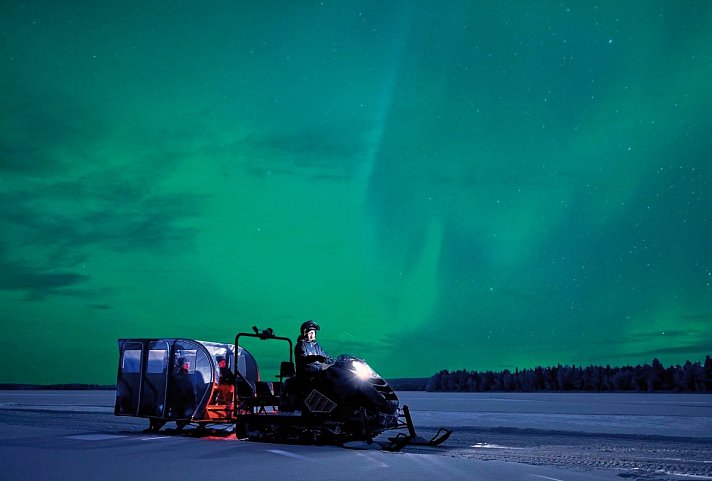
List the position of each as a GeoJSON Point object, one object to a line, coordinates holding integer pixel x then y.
{"type": "Point", "coordinates": [477, 185]}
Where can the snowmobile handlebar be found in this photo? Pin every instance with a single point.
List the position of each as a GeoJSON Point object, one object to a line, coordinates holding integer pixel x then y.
{"type": "Point", "coordinates": [265, 334]}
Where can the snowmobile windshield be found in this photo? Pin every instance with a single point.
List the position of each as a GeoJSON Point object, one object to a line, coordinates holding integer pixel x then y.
{"type": "Point", "coordinates": [358, 366]}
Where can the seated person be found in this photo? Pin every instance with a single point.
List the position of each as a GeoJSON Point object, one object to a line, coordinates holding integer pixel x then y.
{"type": "Point", "coordinates": [309, 355]}
{"type": "Point", "coordinates": [183, 366]}
{"type": "Point", "coordinates": [226, 375]}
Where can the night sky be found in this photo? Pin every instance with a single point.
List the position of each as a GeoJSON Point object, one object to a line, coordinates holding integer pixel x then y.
{"type": "Point", "coordinates": [478, 185]}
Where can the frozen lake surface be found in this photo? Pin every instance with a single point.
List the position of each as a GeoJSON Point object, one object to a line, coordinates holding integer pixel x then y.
{"type": "Point", "coordinates": [62, 435]}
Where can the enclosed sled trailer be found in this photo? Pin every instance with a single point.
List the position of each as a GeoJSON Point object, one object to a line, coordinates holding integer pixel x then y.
{"type": "Point", "coordinates": [181, 380]}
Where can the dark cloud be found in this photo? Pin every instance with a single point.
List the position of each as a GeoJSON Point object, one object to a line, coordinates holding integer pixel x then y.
{"type": "Point", "coordinates": [690, 341]}
{"type": "Point", "coordinates": [150, 223]}
{"type": "Point", "coordinates": [317, 154]}
{"type": "Point", "coordinates": [56, 225]}
{"type": "Point", "coordinates": [119, 221]}
{"type": "Point", "coordinates": [36, 283]}
{"type": "Point", "coordinates": [61, 197]}
{"type": "Point", "coordinates": [25, 159]}
{"type": "Point", "coordinates": [43, 127]}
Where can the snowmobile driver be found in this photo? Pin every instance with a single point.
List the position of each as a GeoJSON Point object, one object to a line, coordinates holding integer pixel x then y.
{"type": "Point", "coordinates": [309, 355]}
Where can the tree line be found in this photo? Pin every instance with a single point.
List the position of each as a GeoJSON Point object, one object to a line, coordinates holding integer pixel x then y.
{"type": "Point", "coordinates": [654, 377]}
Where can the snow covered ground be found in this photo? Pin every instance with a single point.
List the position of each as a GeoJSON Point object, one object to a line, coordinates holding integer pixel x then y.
{"type": "Point", "coordinates": [52, 435]}
{"type": "Point", "coordinates": [641, 436]}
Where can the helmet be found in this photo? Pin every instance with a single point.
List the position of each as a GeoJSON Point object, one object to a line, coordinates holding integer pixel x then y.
{"type": "Point", "coordinates": [309, 325]}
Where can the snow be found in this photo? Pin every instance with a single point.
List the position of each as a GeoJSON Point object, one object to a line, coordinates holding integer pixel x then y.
{"type": "Point", "coordinates": [671, 415]}
{"type": "Point", "coordinates": [513, 436]}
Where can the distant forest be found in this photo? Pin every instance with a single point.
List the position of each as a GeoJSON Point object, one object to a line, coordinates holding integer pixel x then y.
{"type": "Point", "coordinates": [654, 377]}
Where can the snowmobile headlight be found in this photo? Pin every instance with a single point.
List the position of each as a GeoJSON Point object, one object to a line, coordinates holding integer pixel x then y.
{"type": "Point", "coordinates": [362, 370]}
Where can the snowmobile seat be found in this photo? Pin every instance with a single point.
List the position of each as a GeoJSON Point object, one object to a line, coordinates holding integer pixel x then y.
{"type": "Point", "coordinates": [286, 369]}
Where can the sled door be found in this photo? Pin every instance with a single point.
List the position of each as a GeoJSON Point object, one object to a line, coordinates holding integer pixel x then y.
{"type": "Point", "coordinates": [128, 382]}
{"type": "Point", "coordinates": [191, 379]}
{"type": "Point", "coordinates": [155, 380]}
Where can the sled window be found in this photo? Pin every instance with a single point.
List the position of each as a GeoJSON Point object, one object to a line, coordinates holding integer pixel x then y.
{"type": "Point", "coordinates": [157, 361]}
{"type": "Point", "coordinates": [131, 361]}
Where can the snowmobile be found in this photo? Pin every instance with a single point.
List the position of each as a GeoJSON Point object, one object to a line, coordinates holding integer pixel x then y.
{"type": "Point", "coordinates": [202, 383]}
{"type": "Point", "coordinates": [345, 403]}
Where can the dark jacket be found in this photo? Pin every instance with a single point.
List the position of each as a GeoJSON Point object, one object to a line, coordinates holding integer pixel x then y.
{"type": "Point", "coordinates": [309, 356]}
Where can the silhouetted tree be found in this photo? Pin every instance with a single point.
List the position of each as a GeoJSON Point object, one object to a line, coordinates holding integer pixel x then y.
{"type": "Point", "coordinates": [691, 377]}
